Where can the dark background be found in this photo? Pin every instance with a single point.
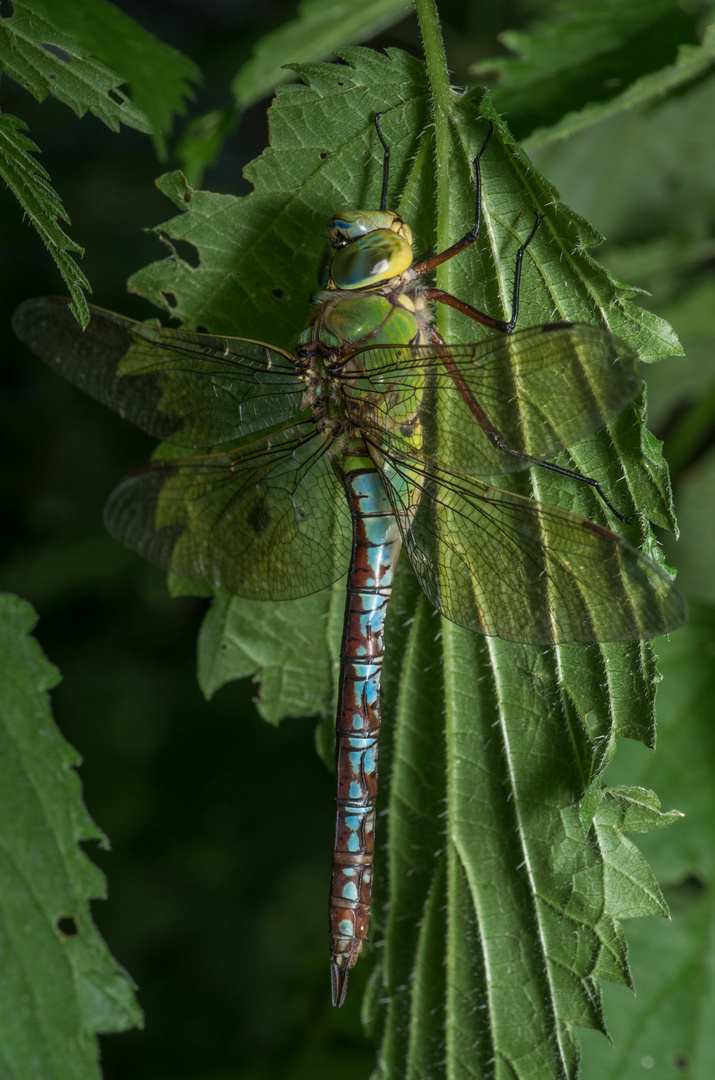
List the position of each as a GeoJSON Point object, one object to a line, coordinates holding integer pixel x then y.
{"type": "Point", "coordinates": [215, 907]}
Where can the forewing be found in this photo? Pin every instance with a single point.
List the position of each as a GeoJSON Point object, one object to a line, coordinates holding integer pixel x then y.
{"type": "Point", "coordinates": [269, 521]}
{"type": "Point", "coordinates": [541, 389]}
{"type": "Point", "coordinates": [507, 566]}
{"type": "Point", "coordinates": [193, 390]}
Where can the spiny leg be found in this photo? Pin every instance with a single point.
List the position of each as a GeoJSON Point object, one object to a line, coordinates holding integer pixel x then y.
{"type": "Point", "coordinates": [497, 439]}
{"type": "Point", "coordinates": [502, 325]}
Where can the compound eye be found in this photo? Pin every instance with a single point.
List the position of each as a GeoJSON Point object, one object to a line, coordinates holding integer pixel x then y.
{"type": "Point", "coordinates": [348, 226]}
{"type": "Point", "coordinates": [377, 256]}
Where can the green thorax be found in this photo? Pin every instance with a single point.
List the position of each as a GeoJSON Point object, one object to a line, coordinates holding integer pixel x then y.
{"type": "Point", "coordinates": [353, 387]}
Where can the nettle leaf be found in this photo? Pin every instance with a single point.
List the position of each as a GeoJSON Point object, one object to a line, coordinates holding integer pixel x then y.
{"type": "Point", "coordinates": [503, 871]}
{"type": "Point", "coordinates": [599, 56]}
{"type": "Point", "coordinates": [320, 29]}
{"type": "Point", "coordinates": [158, 77]}
{"type": "Point", "coordinates": [45, 60]}
{"type": "Point", "coordinates": [291, 647]}
{"type": "Point", "coordinates": [54, 961]}
{"type": "Point", "coordinates": [30, 184]}
{"type": "Point", "coordinates": [672, 962]}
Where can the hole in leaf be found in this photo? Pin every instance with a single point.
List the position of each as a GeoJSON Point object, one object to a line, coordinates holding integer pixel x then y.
{"type": "Point", "coordinates": [322, 155]}
{"type": "Point", "coordinates": [6, 9]}
{"type": "Point", "coordinates": [57, 51]}
{"type": "Point", "coordinates": [202, 330]}
{"type": "Point", "coordinates": [278, 293]}
{"type": "Point", "coordinates": [340, 84]}
{"type": "Point", "coordinates": [169, 298]}
{"type": "Point", "coordinates": [52, 75]}
{"type": "Point", "coordinates": [67, 926]}
{"type": "Point", "coordinates": [116, 97]}
{"type": "Point", "coordinates": [187, 252]}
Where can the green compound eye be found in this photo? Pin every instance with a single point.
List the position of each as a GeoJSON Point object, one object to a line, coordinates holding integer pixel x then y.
{"type": "Point", "coordinates": [353, 223]}
{"type": "Point", "coordinates": [376, 256]}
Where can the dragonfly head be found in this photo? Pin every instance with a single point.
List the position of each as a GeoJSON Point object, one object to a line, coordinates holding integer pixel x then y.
{"type": "Point", "coordinates": [365, 248]}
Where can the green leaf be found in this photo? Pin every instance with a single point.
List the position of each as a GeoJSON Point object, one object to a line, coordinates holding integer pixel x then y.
{"type": "Point", "coordinates": [692, 63]}
{"type": "Point", "coordinates": [59, 983]}
{"type": "Point", "coordinates": [320, 28]}
{"type": "Point", "coordinates": [158, 77]}
{"type": "Point", "coordinates": [290, 646]}
{"type": "Point", "coordinates": [508, 870]}
{"type": "Point", "coordinates": [45, 60]}
{"type": "Point", "coordinates": [30, 184]}
{"type": "Point", "coordinates": [600, 57]}
{"type": "Point", "coordinates": [666, 1029]}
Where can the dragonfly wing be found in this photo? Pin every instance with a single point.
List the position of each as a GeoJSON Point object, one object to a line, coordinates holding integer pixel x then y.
{"type": "Point", "coordinates": [269, 521]}
{"type": "Point", "coordinates": [193, 390]}
{"type": "Point", "coordinates": [507, 566]}
{"type": "Point", "coordinates": [541, 389]}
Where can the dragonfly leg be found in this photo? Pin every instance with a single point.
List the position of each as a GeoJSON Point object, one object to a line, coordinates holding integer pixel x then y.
{"type": "Point", "coordinates": [503, 325]}
{"type": "Point", "coordinates": [495, 436]}
{"type": "Point", "coordinates": [625, 518]}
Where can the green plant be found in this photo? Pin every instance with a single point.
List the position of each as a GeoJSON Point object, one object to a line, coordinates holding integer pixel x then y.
{"type": "Point", "coordinates": [509, 871]}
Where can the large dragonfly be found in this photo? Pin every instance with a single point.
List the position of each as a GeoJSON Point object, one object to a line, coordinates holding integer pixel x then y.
{"type": "Point", "coordinates": [371, 437]}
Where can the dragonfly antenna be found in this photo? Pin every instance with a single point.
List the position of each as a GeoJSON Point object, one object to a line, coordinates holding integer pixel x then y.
{"type": "Point", "coordinates": [385, 162]}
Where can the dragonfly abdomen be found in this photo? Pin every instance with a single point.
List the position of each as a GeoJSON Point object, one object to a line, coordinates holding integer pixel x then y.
{"type": "Point", "coordinates": [376, 546]}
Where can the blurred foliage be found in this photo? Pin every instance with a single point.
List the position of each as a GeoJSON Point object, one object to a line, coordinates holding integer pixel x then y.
{"type": "Point", "coordinates": [200, 876]}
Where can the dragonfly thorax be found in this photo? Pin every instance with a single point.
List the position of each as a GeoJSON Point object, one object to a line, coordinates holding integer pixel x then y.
{"type": "Point", "coordinates": [365, 248]}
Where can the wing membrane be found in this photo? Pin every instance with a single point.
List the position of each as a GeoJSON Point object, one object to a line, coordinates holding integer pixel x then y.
{"type": "Point", "coordinates": [541, 389]}
{"type": "Point", "coordinates": [269, 521]}
{"type": "Point", "coordinates": [504, 565]}
{"type": "Point", "coordinates": [193, 390]}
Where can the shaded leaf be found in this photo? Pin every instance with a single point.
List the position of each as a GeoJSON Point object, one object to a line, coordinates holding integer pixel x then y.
{"type": "Point", "coordinates": [600, 57]}
{"type": "Point", "coordinates": [158, 77]}
{"type": "Point", "coordinates": [54, 961]}
{"type": "Point", "coordinates": [665, 1030]}
{"type": "Point", "coordinates": [30, 184]}
{"type": "Point", "coordinates": [320, 28]}
{"type": "Point", "coordinates": [290, 646]}
{"type": "Point", "coordinates": [46, 60]}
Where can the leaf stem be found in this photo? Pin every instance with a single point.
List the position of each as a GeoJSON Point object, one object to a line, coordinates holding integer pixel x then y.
{"type": "Point", "coordinates": [438, 75]}
{"type": "Point", "coordinates": [435, 57]}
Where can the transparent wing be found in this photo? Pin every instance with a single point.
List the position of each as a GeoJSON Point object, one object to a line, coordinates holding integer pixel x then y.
{"type": "Point", "coordinates": [540, 389]}
{"type": "Point", "coordinates": [193, 390]}
{"type": "Point", "coordinates": [268, 521]}
{"type": "Point", "coordinates": [504, 565]}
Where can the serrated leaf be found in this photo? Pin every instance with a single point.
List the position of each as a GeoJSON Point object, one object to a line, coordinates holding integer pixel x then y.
{"type": "Point", "coordinates": [500, 911]}
{"type": "Point", "coordinates": [692, 63]}
{"type": "Point", "coordinates": [665, 1031]}
{"type": "Point", "coordinates": [289, 645]}
{"type": "Point", "coordinates": [599, 56]}
{"type": "Point", "coordinates": [320, 28]}
{"type": "Point", "coordinates": [45, 60]}
{"type": "Point", "coordinates": [634, 809]}
{"type": "Point", "coordinates": [30, 184]}
{"type": "Point", "coordinates": [54, 961]}
{"type": "Point", "coordinates": [158, 77]}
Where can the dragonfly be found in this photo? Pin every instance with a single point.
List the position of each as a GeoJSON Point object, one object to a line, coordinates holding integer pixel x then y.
{"type": "Point", "coordinates": [328, 460]}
